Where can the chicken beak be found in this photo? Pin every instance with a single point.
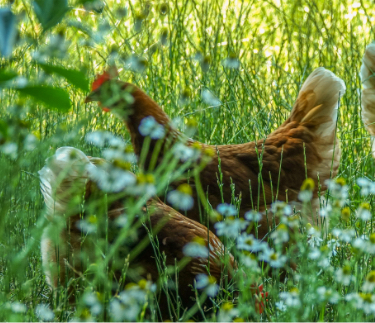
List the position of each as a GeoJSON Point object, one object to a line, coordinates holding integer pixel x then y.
{"type": "Point", "coordinates": [93, 96]}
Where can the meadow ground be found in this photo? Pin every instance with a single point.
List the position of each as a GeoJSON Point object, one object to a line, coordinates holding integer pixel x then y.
{"type": "Point", "coordinates": [236, 67]}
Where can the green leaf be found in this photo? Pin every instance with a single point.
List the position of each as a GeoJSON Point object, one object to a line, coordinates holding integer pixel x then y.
{"type": "Point", "coordinates": [6, 76]}
{"type": "Point", "coordinates": [50, 12]}
{"type": "Point", "coordinates": [74, 77]}
{"type": "Point", "coordinates": [55, 98]}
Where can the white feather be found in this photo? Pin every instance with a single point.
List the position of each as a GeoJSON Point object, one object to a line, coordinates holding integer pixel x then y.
{"type": "Point", "coordinates": [62, 178]}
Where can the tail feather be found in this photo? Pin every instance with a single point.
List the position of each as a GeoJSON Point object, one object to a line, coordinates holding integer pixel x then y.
{"type": "Point", "coordinates": [318, 101]}
{"type": "Point", "coordinates": [315, 111]}
{"type": "Point", "coordinates": [65, 175]}
{"type": "Point", "coordinates": [367, 74]}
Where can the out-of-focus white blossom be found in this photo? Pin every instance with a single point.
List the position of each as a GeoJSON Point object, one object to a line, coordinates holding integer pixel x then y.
{"type": "Point", "coordinates": [227, 313]}
{"type": "Point", "coordinates": [275, 259]}
{"type": "Point", "coordinates": [181, 198]}
{"type": "Point", "coordinates": [149, 127]}
{"type": "Point", "coordinates": [362, 301]}
{"type": "Point", "coordinates": [343, 275]}
{"type": "Point", "coordinates": [227, 210]}
{"type": "Point", "coordinates": [327, 295]}
{"type": "Point", "coordinates": [248, 242]}
{"type": "Point", "coordinates": [230, 228]}
{"type": "Point", "coordinates": [210, 99]}
{"type": "Point", "coordinates": [291, 299]}
{"type": "Point", "coordinates": [44, 313]}
{"type": "Point", "coordinates": [367, 186]}
{"type": "Point", "coordinates": [196, 249]}
{"type": "Point", "coordinates": [253, 216]}
{"type": "Point", "coordinates": [281, 234]}
{"type": "Point", "coordinates": [208, 283]}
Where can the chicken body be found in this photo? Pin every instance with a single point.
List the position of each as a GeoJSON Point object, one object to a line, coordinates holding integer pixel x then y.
{"type": "Point", "coordinates": [65, 178]}
{"type": "Point", "coordinates": [274, 168]}
{"type": "Point", "coordinates": [368, 92]}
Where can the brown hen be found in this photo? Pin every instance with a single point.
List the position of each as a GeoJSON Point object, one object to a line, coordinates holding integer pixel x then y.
{"type": "Point", "coordinates": [274, 168]}
{"type": "Point", "coordinates": [66, 252]}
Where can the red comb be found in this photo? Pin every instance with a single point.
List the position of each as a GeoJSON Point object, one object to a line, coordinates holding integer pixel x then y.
{"type": "Point", "coordinates": [111, 73]}
{"type": "Point", "coordinates": [100, 79]}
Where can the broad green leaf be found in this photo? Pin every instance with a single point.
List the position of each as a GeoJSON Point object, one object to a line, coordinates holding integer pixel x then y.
{"type": "Point", "coordinates": [75, 77]}
{"type": "Point", "coordinates": [8, 31]}
{"type": "Point", "coordinates": [50, 12]}
{"type": "Point", "coordinates": [53, 97]}
{"type": "Point", "coordinates": [7, 75]}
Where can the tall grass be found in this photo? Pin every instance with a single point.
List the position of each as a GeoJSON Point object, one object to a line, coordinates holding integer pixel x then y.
{"type": "Point", "coordinates": [179, 48]}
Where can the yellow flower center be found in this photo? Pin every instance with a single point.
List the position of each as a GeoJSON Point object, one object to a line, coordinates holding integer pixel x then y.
{"type": "Point", "coordinates": [192, 122]}
{"type": "Point", "coordinates": [142, 283]}
{"type": "Point", "coordinates": [92, 219]}
{"type": "Point", "coordinates": [365, 206]}
{"type": "Point", "coordinates": [186, 189]}
{"type": "Point", "coordinates": [130, 285]}
{"type": "Point", "coordinates": [308, 184]}
{"type": "Point", "coordinates": [249, 242]}
{"type": "Point", "coordinates": [282, 226]}
{"type": "Point", "coordinates": [227, 306]}
{"type": "Point", "coordinates": [341, 181]}
{"type": "Point", "coordinates": [371, 276]}
{"type": "Point", "coordinates": [367, 297]}
{"type": "Point", "coordinates": [346, 270]}
{"type": "Point", "coordinates": [294, 290]}
{"type": "Point", "coordinates": [199, 240]}
{"type": "Point", "coordinates": [122, 164]}
{"type": "Point", "coordinates": [210, 152]}
{"type": "Point", "coordinates": [345, 214]}
{"type": "Point", "coordinates": [273, 256]}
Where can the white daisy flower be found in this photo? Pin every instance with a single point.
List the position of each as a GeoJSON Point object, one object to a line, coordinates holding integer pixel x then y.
{"type": "Point", "coordinates": [281, 208]}
{"type": "Point", "coordinates": [253, 216]}
{"type": "Point", "coordinates": [363, 301]}
{"type": "Point", "coordinates": [196, 249]}
{"type": "Point", "coordinates": [44, 313]}
{"type": "Point", "coordinates": [280, 235]}
{"type": "Point", "coordinates": [343, 275]}
{"type": "Point", "coordinates": [367, 186]}
{"type": "Point", "coordinates": [327, 295]}
{"type": "Point", "coordinates": [281, 306]}
{"type": "Point", "coordinates": [275, 259]}
{"type": "Point", "coordinates": [181, 198]}
{"type": "Point", "coordinates": [369, 284]}
{"type": "Point", "coordinates": [248, 242]}
{"type": "Point", "coordinates": [227, 209]}
{"type": "Point", "coordinates": [208, 283]}
{"type": "Point", "coordinates": [231, 63]}
{"type": "Point", "coordinates": [149, 127]}
{"type": "Point", "coordinates": [344, 235]}
{"type": "Point", "coordinates": [110, 178]}
{"type": "Point", "coordinates": [291, 299]}
{"type": "Point", "coordinates": [364, 212]}
{"type": "Point", "coordinates": [185, 153]}
{"type": "Point", "coordinates": [230, 228]}
{"type": "Point", "coordinates": [18, 307]}
{"type": "Point", "coordinates": [227, 312]}
{"type": "Point", "coordinates": [314, 236]}
{"type": "Point", "coordinates": [210, 99]}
